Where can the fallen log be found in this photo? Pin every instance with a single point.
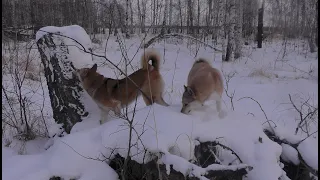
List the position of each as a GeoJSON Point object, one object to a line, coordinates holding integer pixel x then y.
{"type": "Point", "coordinates": [300, 171]}
{"type": "Point", "coordinates": [163, 168]}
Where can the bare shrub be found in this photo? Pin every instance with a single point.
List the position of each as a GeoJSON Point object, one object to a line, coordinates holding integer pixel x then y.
{"type": "Point", "coordinates": [20, 111]}
{"type": "Point", "coordinates": [308, 113]}
{"type": "Point", "coordinates": [227, 78]}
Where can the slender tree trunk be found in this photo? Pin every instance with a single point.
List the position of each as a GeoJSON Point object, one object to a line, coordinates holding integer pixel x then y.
{"type": "Point", "coordinates": [127, 20]}
{"type": "Point", "coordinates": [14, 13]}
{"type": "Point", "coordinates": [260, 25]}
{"type": "Point", "coordinates": [170, 16]}
{"type": "Point", "coordinates": [154, 16]}
{"type": "Point", "coordinates": [231, 31]}
{"type": "Point", "coordinates": [190, 17]}
{"type": "Point", "coordinates": [209, 16]}
{"type": "Point", "coordinates": [221, 16]}
{"type": "Point", "coordinates": [181, 18]}
{"type": "Point", "coordinates": [164, 21]}
{"type": "Point", "coordinates": [317, 24]}
{"type": "Point", "coordinates": [238, 29]}
{"type": "Point", "coordinates": [131, 19]}
{"type": "Point", "coordinates": [198, 29]}
{"type": "Point", "coordinates": [157, 15]}
{"type": "Point", "coordinates": [139, 16]}
{"type": "Point", "coordinates": [143, 18]}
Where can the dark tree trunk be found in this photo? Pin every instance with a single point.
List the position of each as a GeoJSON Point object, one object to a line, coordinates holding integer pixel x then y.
{"type": "Point", "coordinates": [228, 51]}
{"type": "Point", "coordinates": [260, 25]}
{"type": "Point", "coordinates": [190, 17]}
{"type": "Point", "coordinates": [64, 88]}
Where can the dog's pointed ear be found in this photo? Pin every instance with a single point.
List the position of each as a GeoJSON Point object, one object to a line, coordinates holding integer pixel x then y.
{"type": "Point", "coordinates": [185, 87]}
{"type": "Point", "coordinates": [189, 91]}
{"type": "Point", "coordinates": [94, 68]}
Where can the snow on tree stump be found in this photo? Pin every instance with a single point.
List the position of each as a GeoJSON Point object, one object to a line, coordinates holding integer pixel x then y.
{"type": "Point", "coordinates": [152, 170]}
{"type": "Point", "coordinates": [59, 55]}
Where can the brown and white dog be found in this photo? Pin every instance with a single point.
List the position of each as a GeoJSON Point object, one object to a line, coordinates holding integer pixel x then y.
{"type": "Point", "coordinates": [204, 83]}
{"type": "Point", "coordinates": [114, 94]}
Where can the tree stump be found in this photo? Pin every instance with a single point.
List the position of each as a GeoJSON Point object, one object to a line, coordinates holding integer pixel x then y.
{"type": "Point", "coordinates": [64, 88]}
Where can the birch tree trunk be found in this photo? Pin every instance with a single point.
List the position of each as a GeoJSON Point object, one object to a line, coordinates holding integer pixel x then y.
{"type": "Point", "coordinates": [209, 15]}
{"type": "Point", "coordinates": [221, 31]}
{"type": "Point", "coordinates": [170, 16]}
{"type": "Point", "coordinates": [143, 20]}
{"type": "Point", "coordinates": [131, 19]}
{"type": "Point", "coordinates": [139, 16]}
{"type": "Point", "coordinates": [154, 16]}
{"type": "Point", "coordinates": [231, 31]}
{"type": "Point", "coordinates": [310, 25]}
{"type": "Point", "coordinates": [164, 21]}
{"type": "Point", "coordinates": [198, 28]}
{"type": "Point", "coordinates": [238, 30]}
{"type": "Point", "coordinates": [181, 19]}
{"type": "Point", "coordinates": [127, 20]}
{"type": "Point", "coordinates": [190, 17]}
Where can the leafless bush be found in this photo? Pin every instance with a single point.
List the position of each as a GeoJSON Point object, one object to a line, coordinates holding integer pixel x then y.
{"type": "Point", "coordinates": [227, 78]}
{"type": "Point", "coordinates": [21, 117]}
{"type": "Point", "coordinates": [308, 114]}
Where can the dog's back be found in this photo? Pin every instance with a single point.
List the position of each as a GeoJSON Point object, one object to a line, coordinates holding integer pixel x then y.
{"type": "Point", "coordinates": [204, 83]}
{"type": "Point", "coordinates": [205, 80]}
{"type": "Point", "coordinates": [148, 78]}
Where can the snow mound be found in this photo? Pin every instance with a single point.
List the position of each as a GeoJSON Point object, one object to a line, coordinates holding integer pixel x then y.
{"type": "Point", "coordinates": [308, 148]}
{"type": "Point", "coordinates": [77, 40]}
{"type": "Point", "coordinates": [157, 129]}
{"type": "Point", "coordinates": [309, 152]}
{"type": "Point", "coordinates": [289, 154]}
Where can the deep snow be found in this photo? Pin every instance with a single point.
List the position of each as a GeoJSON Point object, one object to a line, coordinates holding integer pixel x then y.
{"type": "Point", "coordinates": [261, 74]}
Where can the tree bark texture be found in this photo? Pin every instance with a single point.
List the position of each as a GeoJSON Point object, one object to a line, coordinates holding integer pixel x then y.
{"type": "Point", "coordinates": [64, 88]}
{"type": "Point", "coordinates": [152, 170]}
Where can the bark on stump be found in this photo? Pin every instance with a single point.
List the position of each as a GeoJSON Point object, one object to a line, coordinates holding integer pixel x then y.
{"type": "Point", "coordinates": [150, 170]}
{"type": "Point", "coordinates": [64, 88]}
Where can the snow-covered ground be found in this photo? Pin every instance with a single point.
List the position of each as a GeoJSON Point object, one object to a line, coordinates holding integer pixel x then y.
{"type": "Point", "coordinates": [267, 75]}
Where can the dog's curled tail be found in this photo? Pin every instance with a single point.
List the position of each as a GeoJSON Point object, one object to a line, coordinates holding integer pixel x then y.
{"type": "Point", "coordinates": [153, 56]}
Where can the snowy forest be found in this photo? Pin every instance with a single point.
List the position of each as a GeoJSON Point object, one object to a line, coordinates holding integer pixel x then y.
{"type": "Point", "coordinates": [266, 53]}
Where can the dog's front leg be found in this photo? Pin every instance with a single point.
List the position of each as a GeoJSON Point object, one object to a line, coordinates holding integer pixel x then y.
{"type": "Point", "coordinates": [221, 113]}
{"type": "Point", "coordinates": [116, 107]}
{"type": "Point", "coordinates": [103, 115]}
{"type": "Point", "coordinates": [117, 110]}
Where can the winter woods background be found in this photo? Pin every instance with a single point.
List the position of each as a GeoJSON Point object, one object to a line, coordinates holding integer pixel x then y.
{"type": "Point", "coordinates": [232, 20]}
{"type": "Point", "coordinates": [267, 51]}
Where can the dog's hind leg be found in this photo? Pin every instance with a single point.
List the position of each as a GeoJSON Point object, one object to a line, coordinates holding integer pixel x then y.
{"type": "Point", "coordinates": [161, 101]}
{"type": "Point", "coordinates": [147, 101]}
{"type": "Point", "coordinates": [117, 108]}
{"type": "Point", "coordinates": [218, 103]}
{"type": "Point", "coordinates": [221, 113]}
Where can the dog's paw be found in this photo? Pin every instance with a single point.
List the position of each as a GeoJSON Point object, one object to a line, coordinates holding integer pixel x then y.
{"type": "Point", "coordinates": [222, 114]}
